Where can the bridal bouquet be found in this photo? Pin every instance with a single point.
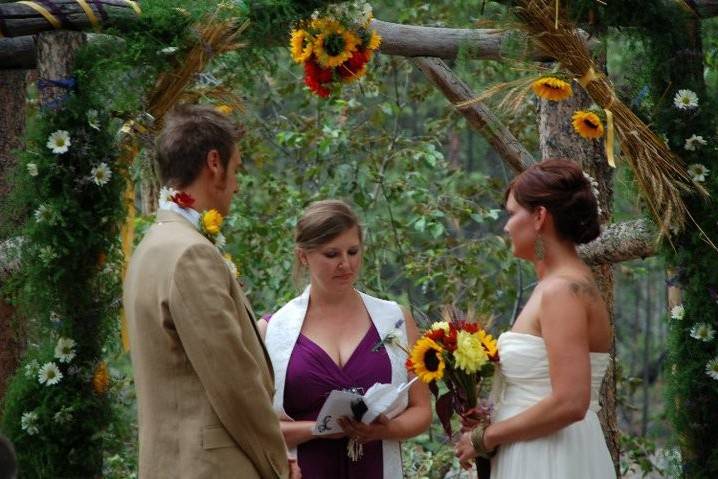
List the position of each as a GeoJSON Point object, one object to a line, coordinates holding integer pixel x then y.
{"type": "Point", "coordinates": [460, 353]}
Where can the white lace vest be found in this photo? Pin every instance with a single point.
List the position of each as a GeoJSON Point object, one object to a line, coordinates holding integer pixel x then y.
{"type": "Point", "coordinates": [282, 334]}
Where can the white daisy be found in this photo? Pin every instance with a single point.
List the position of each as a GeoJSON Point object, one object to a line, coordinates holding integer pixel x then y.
{"type": "Point", "coordinates": [101, 174]}
{"type": "Point", "coordinates": [28, 423]}
{"type": "Point", "coordinates": [712, 368]}
{"type": "Point", "coordinates": [220, 241]}
{"type": "Point", "coordinates": [32, 169]}
{"type": "Point", "coordinates": [43, 214]}
{"type": "Point", "coordinates": [698, 172]}
{"type": "Point", "coordinates": [703, 332]}
{"type": "Point", "coordinates": [55, 318]}
{"type": "Point", "coordinates": [49, 374]}
{"type": "Point", "coordinates": [168, 50]}
{"type": "Point", "coordinates": [166, 192]}
{"type": "Point", "coordinates": [93, 120]}
{"type": "Point", "coordinates": [59, 141]}
{"type": "Point", "coordinates": [694, 142]}
{"type": "Point", "coordinates": [65, 350]}
{"type": "Point", "coordinates": [685, 100]}
{"type": "Point", "coordinates": [678, 311]}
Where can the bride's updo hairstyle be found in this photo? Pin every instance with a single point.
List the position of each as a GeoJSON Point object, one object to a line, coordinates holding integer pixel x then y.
{"type": "Point", "coordinates": [561, 187]}
{"type": "Point", "coordinates": [320, 223]}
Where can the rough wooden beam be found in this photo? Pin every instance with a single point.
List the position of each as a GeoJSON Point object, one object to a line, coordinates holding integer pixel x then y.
{"type": "Point", "coordinates": [17, 19]}
{"type": "Point", "coordinates": [621, 242]}
{"type": "Point", "coordinates": [704, 8]}
{"type": "Point", "coordinates": [477, 114]}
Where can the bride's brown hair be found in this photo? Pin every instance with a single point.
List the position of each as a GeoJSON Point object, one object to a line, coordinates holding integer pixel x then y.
{"type": "Point", "coordinates": [561, 187]}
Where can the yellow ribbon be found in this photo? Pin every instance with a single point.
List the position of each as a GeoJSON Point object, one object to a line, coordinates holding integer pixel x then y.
{"type": "Point", "coordinates": [134, 6]}
{"type": "Point", "coordinates": [584, 80]}
{"type": "Point", "coordinates": [90, 14]}
{"type": "Point", "coordinates": [128, 234]}
{"type": "Point", "coordinates": [52, 19]}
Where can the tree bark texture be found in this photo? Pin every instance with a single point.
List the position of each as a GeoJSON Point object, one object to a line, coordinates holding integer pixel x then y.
{"type": "Point", "coordinates": [13, 84]}
{"type": "Point", "coordinates": [621, 242]}
{"type": "Point", "coordinates": [557, 139]}
{"type": "Point", "coordinates": [56, 53]}
{"type": "Point", "coordinates": [477, 114]}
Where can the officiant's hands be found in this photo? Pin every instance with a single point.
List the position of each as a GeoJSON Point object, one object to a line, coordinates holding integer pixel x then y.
{"type": "Point", "coordinates": [364, 432]}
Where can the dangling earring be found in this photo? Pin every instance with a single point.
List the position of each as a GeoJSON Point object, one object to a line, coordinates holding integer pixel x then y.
{"type": "Point", "coordinates": [539, 248]}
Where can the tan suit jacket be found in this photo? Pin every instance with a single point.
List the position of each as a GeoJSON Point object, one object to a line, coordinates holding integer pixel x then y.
{"type": "Point", "coordinates": [203, 377]}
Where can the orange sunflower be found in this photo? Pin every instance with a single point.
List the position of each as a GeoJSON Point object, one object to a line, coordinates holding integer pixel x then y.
{"type": "Point", "coordinates": [552, 88]}
{"type": "Point", "coordinates": [587, 124]}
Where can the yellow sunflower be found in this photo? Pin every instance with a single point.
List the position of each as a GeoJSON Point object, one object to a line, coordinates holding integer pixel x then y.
{"type": "Point", "coordinates": [301, 45]}
{"type": "Point", "coordinates": [212, 221]}
{"type": "Point", "coordinates": [374, 41]}
{"type": "Point", "coordinates": [335, 45]}
{"type": "Point", "coordinates": [489, 343]}
{"type": "Point", "coordinates": [470, 354]}
{"type": "Point", "coordinates": [552, 88]}
{"type": "Point", "coordinates": [587, 124]}
{"type": "Point", "coordinates": [428, 360]}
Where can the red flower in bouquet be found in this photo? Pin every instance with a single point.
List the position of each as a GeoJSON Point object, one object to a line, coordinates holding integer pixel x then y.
{"type": "Point", "coordinates": [315, 77]}
{"type": "Point", "coordinates": [355, 67]}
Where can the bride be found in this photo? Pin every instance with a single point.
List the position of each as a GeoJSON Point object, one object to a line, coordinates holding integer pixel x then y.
{"type": "Point", "coordinates": [553, 360]}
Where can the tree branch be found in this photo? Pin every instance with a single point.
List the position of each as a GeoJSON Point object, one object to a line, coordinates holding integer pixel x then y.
{"type": "Point", "coordinates": [477, 114]}
{"type": "Point", "coordinates": [621, 242]}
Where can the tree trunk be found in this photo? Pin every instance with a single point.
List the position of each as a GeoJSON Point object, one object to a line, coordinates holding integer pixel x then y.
{"type": "Point", "coordinates": [13, 84]}
{"type": "Point", "coordinates": [558, 140]}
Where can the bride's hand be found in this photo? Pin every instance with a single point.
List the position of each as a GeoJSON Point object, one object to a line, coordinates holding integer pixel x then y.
{"type": "Point", "coordinates": [363, 432]}
{"type": "Point", "coordinates": [464, 449]}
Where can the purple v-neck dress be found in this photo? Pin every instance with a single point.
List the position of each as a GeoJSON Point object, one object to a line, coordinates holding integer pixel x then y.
{"type": "Point", "coordinates": [311, 376]}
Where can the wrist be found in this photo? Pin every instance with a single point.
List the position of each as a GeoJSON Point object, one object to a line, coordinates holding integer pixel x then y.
{"type": "Point", "coordinates": [489, 439]}
{"type": "Point", "coordinates": [478, 441]}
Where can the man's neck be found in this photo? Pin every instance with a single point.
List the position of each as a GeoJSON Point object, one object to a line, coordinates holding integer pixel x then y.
{"type": "Point", "coordinates": [201, 202]}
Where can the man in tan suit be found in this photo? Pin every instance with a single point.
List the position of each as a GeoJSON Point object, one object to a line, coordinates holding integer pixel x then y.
{"type": "Point", "coordinates": [203, 377]}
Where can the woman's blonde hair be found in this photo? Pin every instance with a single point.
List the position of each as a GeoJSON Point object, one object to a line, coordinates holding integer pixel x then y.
{"type": "Point", "coordinates": [321, 222]}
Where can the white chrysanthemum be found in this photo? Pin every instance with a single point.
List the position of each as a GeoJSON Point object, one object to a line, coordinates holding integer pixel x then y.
{"type": "Point", "coordinates": [166, 192]}
{"type": "Point", "coordinates": [232, 267]}
{"type": "Point", "coordinates": [32, 169]}
{"type": "Point", "coordinates": [49, 374]}
{"type": "Point", "coordinates": [703, 332]}
{"type": "Point", "coordinates": [712, 368]}
{"type": "Point", "coordinates": [440, 325]}
{"type": "Point", "coordinates": [65, 350]}
{"type": "Point", "coordinates": [63, 416]}
{"type": "Point", "coordinates": [101, 174]}
{"type": "Point", "coordinates": [698, 172]}
{"type": "Point", "coordinates": [55, 318]}
{"type": "Point", "coordinates": [28, 423]}
{"type": "Point", "coordinates": [93, 119]}
{"type": "Point", "coordinates": [32, 368]}
{"type": "Point", "coordinates": [59, 141]}
{"type": "Point", "coordinates": [694, 142]}
{"type": "Point", "coordinates": [43, 214]}
{"type": "Point", "coordinates": [47, 254]}
{"type": "Point", "coordinates": [678, 311]}
{"type": "Point", "coordinates": [685, 100]}
{"type": "Point", "coordinates": [220, 241]}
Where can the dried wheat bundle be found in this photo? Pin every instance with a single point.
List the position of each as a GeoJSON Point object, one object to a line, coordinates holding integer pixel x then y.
{"type": "Point", "coordinates": [662, 177]}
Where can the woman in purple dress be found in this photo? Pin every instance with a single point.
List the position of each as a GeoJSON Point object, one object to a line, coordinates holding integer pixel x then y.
{"type": "Point", "coordinates": [326, 339]}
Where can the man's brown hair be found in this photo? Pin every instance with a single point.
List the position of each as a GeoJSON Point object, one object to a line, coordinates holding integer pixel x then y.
{"type": "Point", "coordinates": [189, 133]}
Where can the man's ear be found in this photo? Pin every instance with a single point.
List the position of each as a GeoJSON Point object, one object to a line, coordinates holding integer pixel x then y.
{"type": "Point", "coordinates": [213, 162]}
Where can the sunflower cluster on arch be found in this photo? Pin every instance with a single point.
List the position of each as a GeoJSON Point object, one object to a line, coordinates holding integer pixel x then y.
{"type": "Point", "coordinates": [334, 47]}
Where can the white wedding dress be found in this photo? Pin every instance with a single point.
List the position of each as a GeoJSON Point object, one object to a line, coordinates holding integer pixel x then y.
{"type": "Point", "coordinates": [577, 451]}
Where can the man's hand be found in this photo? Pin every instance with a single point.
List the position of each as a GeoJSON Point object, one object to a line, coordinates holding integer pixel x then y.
{"type": "Point", "coordinates": [294, 471]}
